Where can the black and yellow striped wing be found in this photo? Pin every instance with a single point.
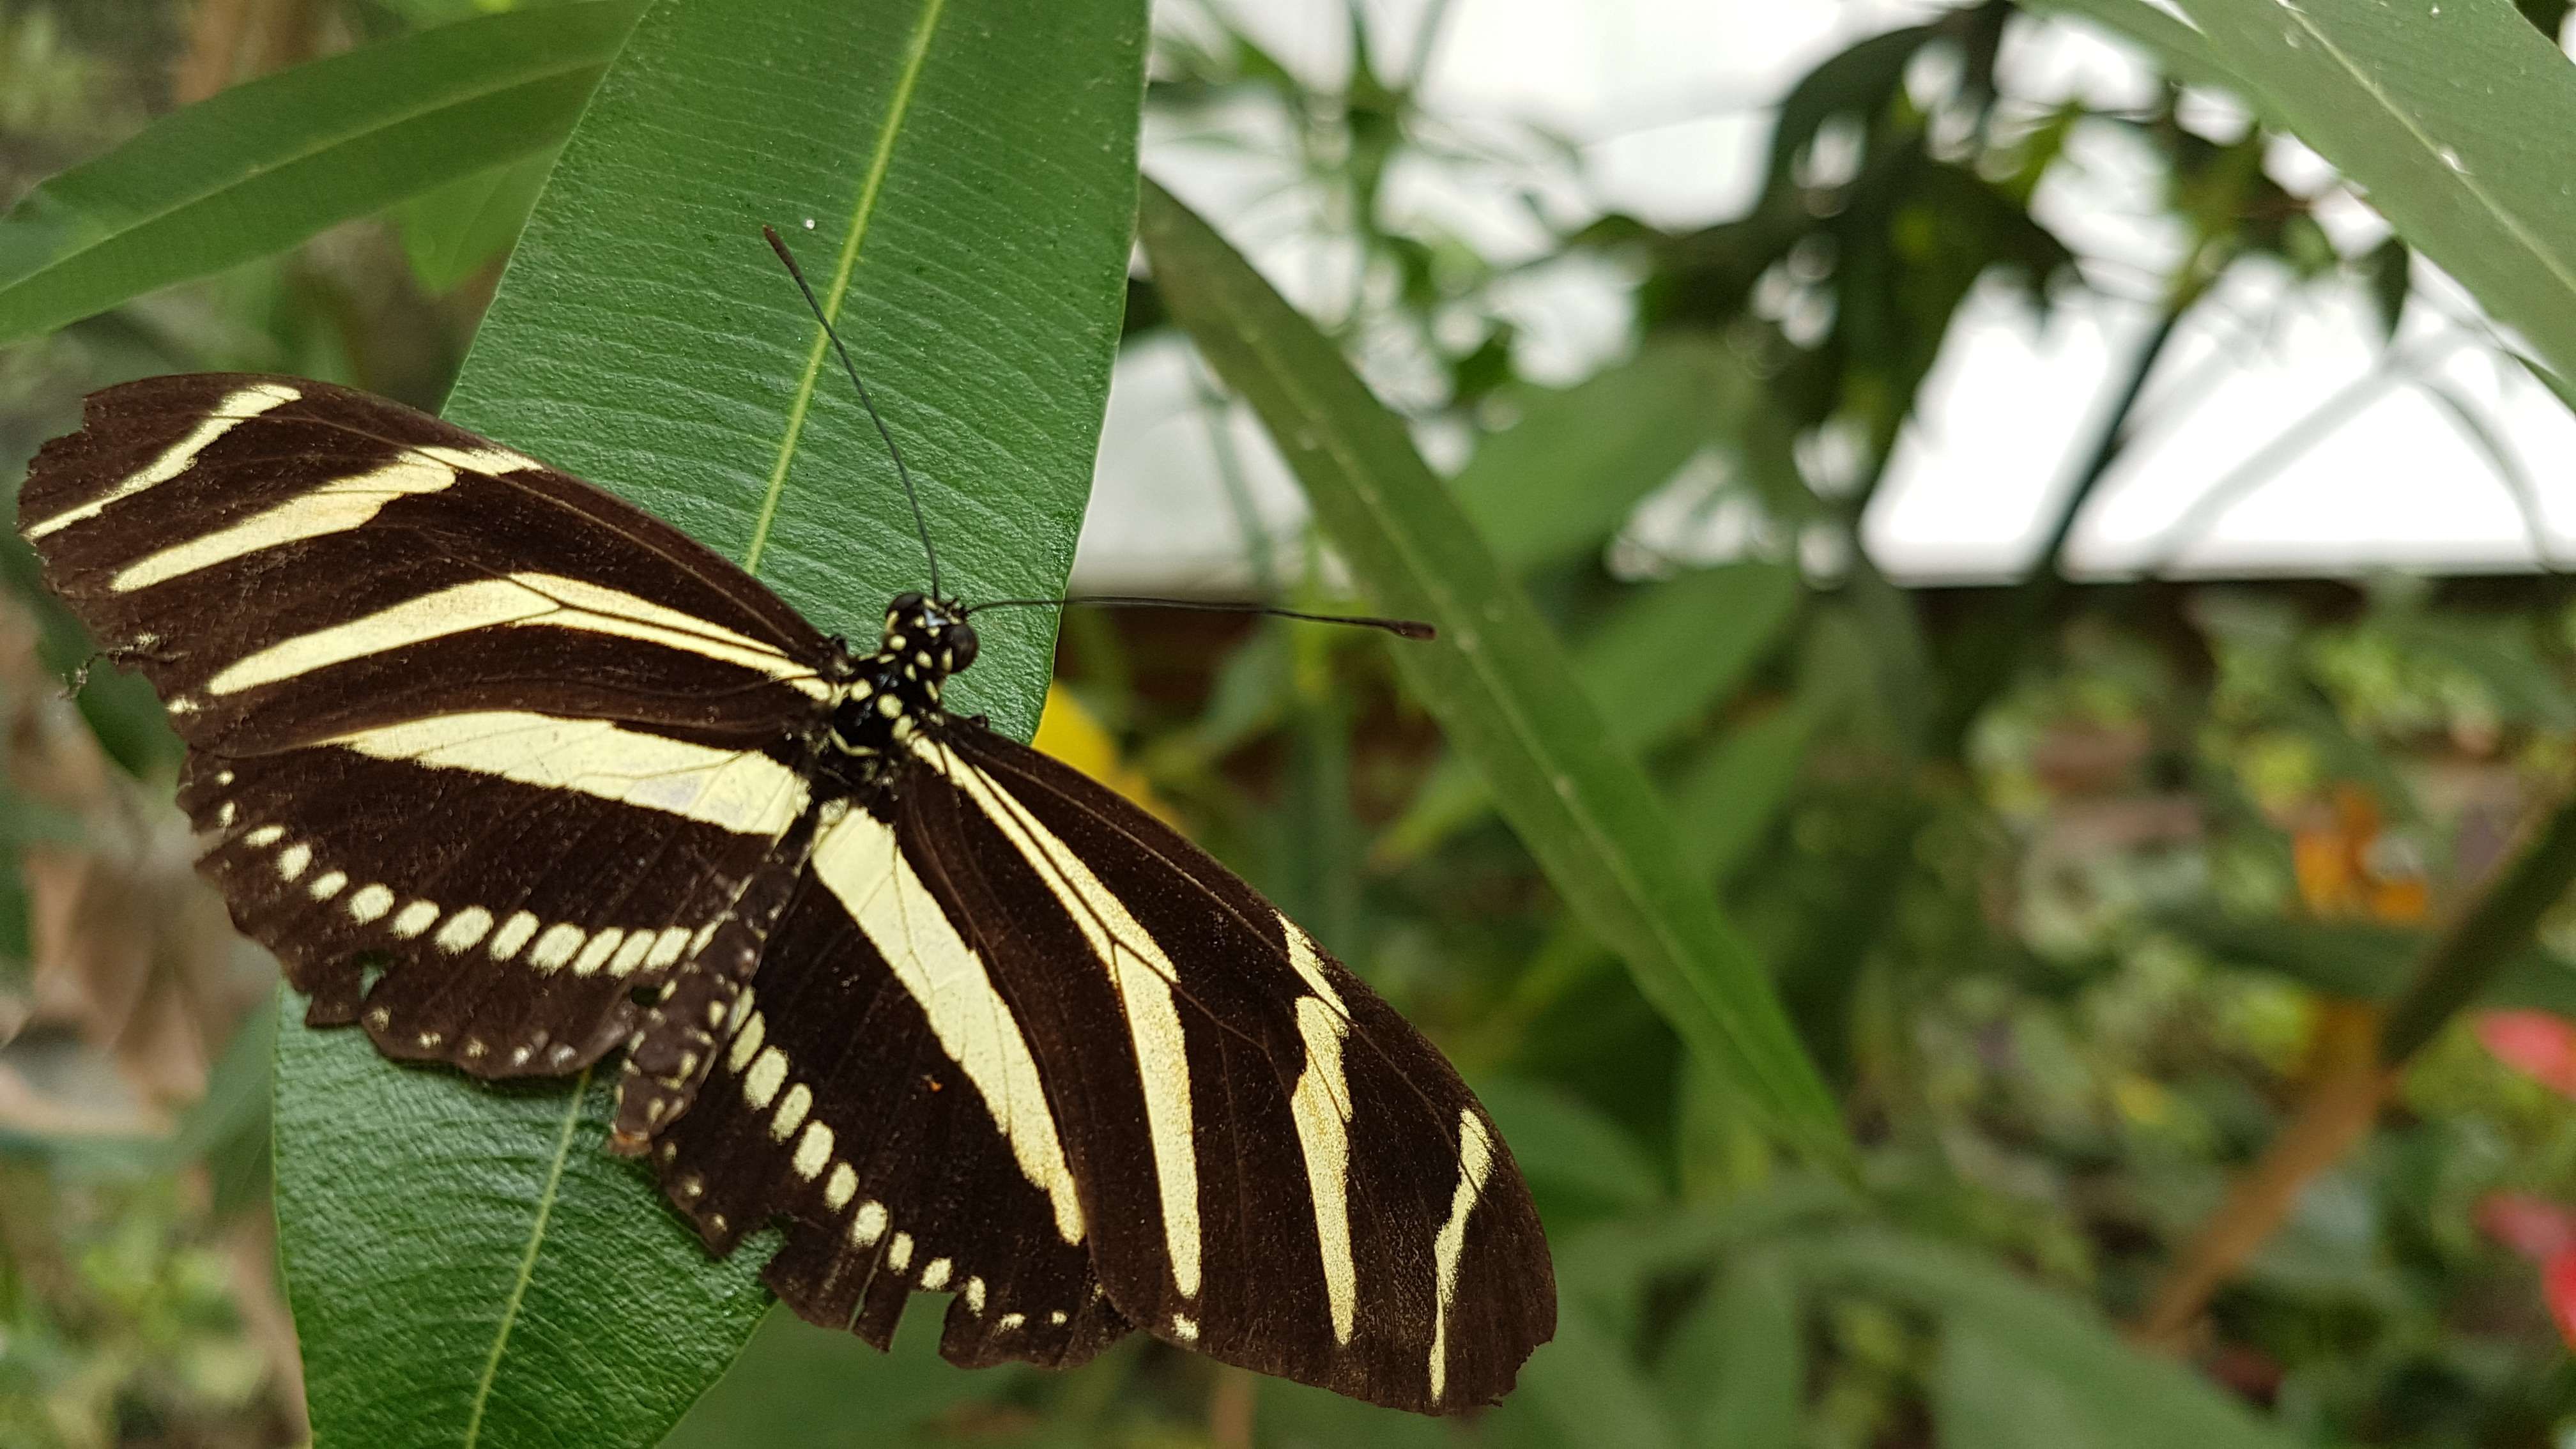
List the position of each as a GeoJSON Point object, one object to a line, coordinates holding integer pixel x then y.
{"type": "Point", "coordinates": [511, 773]}
{"type": "Point", "coordinates": [1097, 1081]}
{"type": "Point", "coordinates": [452, 715]}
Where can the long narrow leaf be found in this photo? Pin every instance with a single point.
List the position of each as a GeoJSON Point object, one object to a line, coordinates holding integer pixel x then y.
{"type": "Point", "coordinates": [1735, 1369]}
{"type": "Point", "coordinates": [2471, 172]}
{"type": "Point", "coordinates": [1498, 680]}
{"type": "Point", "coordinates": [264, 165]}
{"type": "Point", "coordinates": [1660, 659]}
{"type": "Point", "coordinates": [450, 231]}
{"type": "Point", "coordinates": [1566, 473]}
{"type": "Point", "coordinates": [466, 1264]}
{"type": "Point", "coordinates": [2068, 1368]}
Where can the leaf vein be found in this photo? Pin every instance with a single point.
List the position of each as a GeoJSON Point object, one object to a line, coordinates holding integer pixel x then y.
{"type": "Point", "coordinates": [528, 1261]}
{"type": "Point", "coordinates": [898, 109]}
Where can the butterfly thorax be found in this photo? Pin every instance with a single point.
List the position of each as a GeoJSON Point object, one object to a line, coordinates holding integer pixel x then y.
{"type": "Point", "coordinates": [887, 698]}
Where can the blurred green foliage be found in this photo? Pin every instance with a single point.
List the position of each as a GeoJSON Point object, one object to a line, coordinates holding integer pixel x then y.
{"type": "Point", "coordinates": [2063, 884]}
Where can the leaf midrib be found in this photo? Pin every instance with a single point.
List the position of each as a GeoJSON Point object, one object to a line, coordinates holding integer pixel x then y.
{"type": "Point", "coordinates": [449, 100]}
{"type": "Point", "coordinates": [527, 1260]}
{"type": "Point", "coordinates": [2468, 179]}
{"type": "Point", "coordinates": [898, 110]}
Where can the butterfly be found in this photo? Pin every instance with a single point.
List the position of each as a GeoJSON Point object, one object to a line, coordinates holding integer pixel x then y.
{"type": "Point", "coordinates": [511, 774]}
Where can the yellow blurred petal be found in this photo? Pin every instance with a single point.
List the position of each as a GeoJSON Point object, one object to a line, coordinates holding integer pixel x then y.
{"type": "Point", "coordinates": [1070, 733]}
{"type": "Point", "coordinates": [2142, 1100]}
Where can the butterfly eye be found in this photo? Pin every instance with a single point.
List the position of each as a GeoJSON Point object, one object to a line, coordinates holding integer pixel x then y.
{"type": "Point", "coordinates": [960, 644]}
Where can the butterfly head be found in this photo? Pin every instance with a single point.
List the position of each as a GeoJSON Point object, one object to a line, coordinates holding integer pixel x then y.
{"type": "Point", "coordinates": [931, 636]}
{"type": "Point", "coordinates": [890, 694]}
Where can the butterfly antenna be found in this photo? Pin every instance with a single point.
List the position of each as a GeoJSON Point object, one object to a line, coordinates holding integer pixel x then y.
{"type": "Point", "coordinates": [1400, 628]}
{"type": "Point", "coordinates": [911, 494]}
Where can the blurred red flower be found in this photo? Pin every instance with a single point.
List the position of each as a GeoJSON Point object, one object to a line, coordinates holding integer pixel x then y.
{"type": "Point", "coordinates": [2558, 1286]}
{"type": "Point", "coordinates": [2539, 1044]}
{"type": "Point", "coordinates": [2535, 1227]}
{"type": "Point", "coordinates": [2545, 1232]}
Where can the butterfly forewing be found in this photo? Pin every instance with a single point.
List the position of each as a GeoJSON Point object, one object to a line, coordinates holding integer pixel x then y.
{"type": "Point", "coordinates": [510, 772]}
{"type": "Point", "coordinates": [451, 713]}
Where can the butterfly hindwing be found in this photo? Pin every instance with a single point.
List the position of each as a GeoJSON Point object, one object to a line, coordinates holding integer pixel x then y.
{"type": "Point", "coordinates": [882, 1105]}
{"type": "Point", "coordinates": [1313, 1192]}
{"type": "Point", "coordinates": [426, 682]}
{"type": "Point", "coordinates": [1056, 1044]}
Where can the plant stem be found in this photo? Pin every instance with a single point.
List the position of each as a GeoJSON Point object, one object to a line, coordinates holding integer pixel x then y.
{"type": "Point", "coordinates": [2501, 922]}
{"type": "Point", "coordinates": [2336, 1112]}
{"type": "Point", "coordinates": [1984, 673]}
{"type": "Point", "coordinates": [1230, 1408]}
{"type": "Point", "coordinates": [2340, 1108]}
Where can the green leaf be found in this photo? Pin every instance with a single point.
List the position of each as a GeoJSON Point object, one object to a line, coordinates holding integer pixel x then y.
{"type": "Point", "coordinates": [1681, 645]}
{"type": "Point", "coordinates": [2389, 272]}
{"type": "Point", "coordinates": [1660, 659]}
{"type": "Point", "coordinates": [1860, 81]}
{"type": "Point", "coordinates": [801, 1387]}
{"type": "Point", "coordinates": [1293, 1416]}
{"type": "Point", "coordinates": [449, 232]}
{"type": "Point", "coordinates": [1982, 1393]}
{"type": "Point", "coordinates": [1582, 1388]}
{"type": "Point", "coordinates": [1562, 477]}
{"type": "Point", "coordinates": [1726, 800]}
{"type": "Point", "coordinates": [1497, 678]}
{"type": "Point", "coordinates": [1610, 1269]}
{"type": "Point", "coordinates": [468, 1267]}
{"type": "Point", "coordinates": [2364, 960]}
{"type": "Point", "coordinates": [2452, 116]}
{"type": "Point", "coordinates": [466, 1264]}
{"type": "Point", "coordinates": [1568, 1149]}
{"type": "Point", "coordinates": [261, 166]}
{"type": "Point", "coordinates": [2079, 1378]}
{"type": "Point", "coordinates": [228, 1129]}
{"type": "Point", "coordinates": [1735, 1369]}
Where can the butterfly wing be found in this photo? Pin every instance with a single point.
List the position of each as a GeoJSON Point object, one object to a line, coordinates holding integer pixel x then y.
{"type": "Point", "coordinates": [1308, 1189]}
{"type": "Point", "coordinates": [482, 752]}
{"type": "Point", "coordinates": [878, 1096]}
{"type": "Point", "coordinates": [453, 717]}
{"type": "Point", "coordinates": [1117, 1065]}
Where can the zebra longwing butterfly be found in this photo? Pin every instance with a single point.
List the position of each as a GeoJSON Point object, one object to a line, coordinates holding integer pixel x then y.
{"type": "Point", "coordinates": [510, 773]}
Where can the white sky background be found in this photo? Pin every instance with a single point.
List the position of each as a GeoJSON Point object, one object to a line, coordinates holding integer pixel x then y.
{"type": "Point", "coordinates": [1670, 100]}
